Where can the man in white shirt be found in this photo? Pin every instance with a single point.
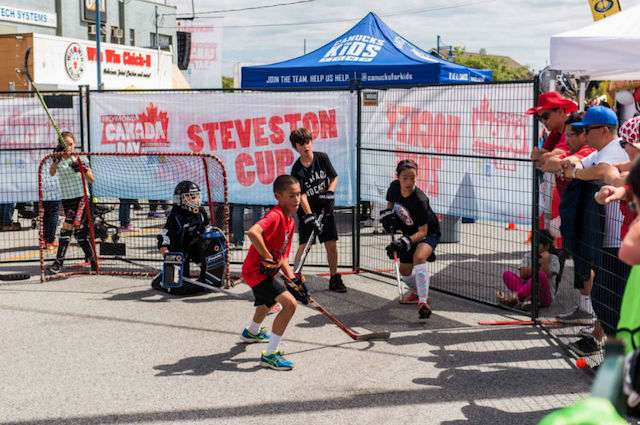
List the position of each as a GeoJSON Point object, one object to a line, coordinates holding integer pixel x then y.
{"type": "Point", "coordinates": [601, 125]}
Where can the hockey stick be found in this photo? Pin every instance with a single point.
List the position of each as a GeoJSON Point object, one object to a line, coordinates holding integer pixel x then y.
{"type": "Point", "coordinates": [527, 322]}
{"type": "Point", "coordinates": [352, 334]}
{"type": "Point", "coordinates": [397, 267]}
{"type": "Point", "coordinates": [213, 288]}
{"type": "Point", "coordinates": [307, 247]}
{"type": "Point", "coordinates": [44, 105]}
{"type": "Point", "coordinates": [14, 276]}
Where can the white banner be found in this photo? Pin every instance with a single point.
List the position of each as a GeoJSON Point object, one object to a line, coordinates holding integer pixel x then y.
{"type": "Point", "coordinates": [249, 132]}
{"type": "Point", "coordinates": [205, 62]}
{"type": "Point", "coordinates": [26, 136]}
{"type": "Point", "coordinates": [446, 123]}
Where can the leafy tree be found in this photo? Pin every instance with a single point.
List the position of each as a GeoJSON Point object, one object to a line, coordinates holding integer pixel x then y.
{"type": "Point", "coordinates": [227, 82]}
{"type": "Point", "coordinates": [499, 67]}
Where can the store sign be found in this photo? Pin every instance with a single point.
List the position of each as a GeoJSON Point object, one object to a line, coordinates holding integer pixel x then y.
{"type": "Point", "coordinates": [28, 17]}
{"type": "Point", "coordinates": [89, 11]}
{"type": "Point", "coordinates": [68, 63]}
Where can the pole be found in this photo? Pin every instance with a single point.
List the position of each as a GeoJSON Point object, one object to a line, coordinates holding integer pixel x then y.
{"type": "Point", "coordinates": [438, 47]}
{"type": "Point", "coordinates": [98, 36]}
{"type": "Point", "coordinates": [305, 46]}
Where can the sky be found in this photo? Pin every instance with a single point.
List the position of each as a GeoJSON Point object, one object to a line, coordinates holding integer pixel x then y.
{"type": "Point", "coordinates": [520, 29]}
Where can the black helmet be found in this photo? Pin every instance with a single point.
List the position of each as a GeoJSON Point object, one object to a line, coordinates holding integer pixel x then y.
{"type": "Point", "coordinates": [187, 196]}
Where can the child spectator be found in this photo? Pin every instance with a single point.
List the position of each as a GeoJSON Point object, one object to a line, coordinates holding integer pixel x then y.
{"type": "Point", "coordinates": [520, 285]}
{"type": "Point", "coordinates": [269, 252]}
{"type": "Point", "coordinates": [318, 180]}
{"type": "Point", "coordinates": [70, 169]}
{"type": "Point", "coordinates": [408, 210]}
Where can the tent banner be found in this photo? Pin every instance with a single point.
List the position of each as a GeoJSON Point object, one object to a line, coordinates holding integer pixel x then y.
{"type": "Point", "coordinates": [249, 132]}
{"type": "Point", "coordinates": [26, 136]}
{"type": "Point", "coordinates": [471, 145]}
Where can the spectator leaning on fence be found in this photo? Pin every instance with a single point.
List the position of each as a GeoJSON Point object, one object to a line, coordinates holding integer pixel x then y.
{"type": "Point", "coordinates": [574, 219]}
{"type": "Point", "coordinates": [552, 112]}
{"type": "Point", "coordinates": [601, 125]}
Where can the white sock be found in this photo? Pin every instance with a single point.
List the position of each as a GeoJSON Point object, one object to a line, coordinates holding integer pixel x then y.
{"type": "Point", "coordinates": [410, 281]}
{"type": "Point", "coordinates": [422, 281]}
{"type": "Point", "coordinates": [274, 340]}
{"type": "Point", "coordinates": [585, 303]}
{"type": "Point", "coordinates": [254, 327]}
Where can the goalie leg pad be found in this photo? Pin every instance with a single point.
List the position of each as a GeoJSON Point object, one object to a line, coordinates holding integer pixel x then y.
{"type": "Point", "coordinates": [172, 270]}
{"type": "Point", "coordinates": [213, 268]}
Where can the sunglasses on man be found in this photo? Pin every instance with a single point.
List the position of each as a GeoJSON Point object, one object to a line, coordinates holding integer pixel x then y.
{"type": "Point", "coordinates": [546, 115]}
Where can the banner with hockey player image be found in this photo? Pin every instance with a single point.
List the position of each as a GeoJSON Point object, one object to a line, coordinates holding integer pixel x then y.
{"type": "Point", "coordinates": [249, 132]}
{"type": "Point", "coordinates": [471, 144]}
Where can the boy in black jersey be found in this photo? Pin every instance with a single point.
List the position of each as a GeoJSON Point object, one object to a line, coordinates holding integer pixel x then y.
{"type": "Point", "coordinates": [408, 210]}
{"type": "Point", "coordinates": [318, 180]}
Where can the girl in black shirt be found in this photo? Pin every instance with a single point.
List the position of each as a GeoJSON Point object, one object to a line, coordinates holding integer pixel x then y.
{"type": "Point", "coordinates": [409, 212]}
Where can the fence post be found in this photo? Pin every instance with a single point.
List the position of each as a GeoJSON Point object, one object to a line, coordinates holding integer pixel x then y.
{"type": "Point", "coordinates": [356, 217]}
{"type": "Point", "coordinates": [535, 286]}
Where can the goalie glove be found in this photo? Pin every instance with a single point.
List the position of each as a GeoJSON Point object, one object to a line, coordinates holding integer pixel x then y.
{"type": "Point", "coordinates": [326, 201]}
{"type": "Point", "coordinates": [631, 385]}
{"type": "Point", "coordinates": [301, 290]}
{"type": "Point", "coordinates": [389, 220]}
{"type": "Point", "coordinates": [399, 245]}
{"type": "Point", "coordinates": [312, 220]}
{"type": "Point", "coordinates": [270, 266]}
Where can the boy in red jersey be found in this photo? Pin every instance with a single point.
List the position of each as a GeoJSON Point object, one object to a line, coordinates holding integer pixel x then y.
{"type": "Point", "coordinates": [270, 245]}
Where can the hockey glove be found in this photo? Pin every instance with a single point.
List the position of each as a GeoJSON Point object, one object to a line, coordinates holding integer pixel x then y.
{"type": "Point", "coordinates": [270, 266]}
{"type": "Point", "coordinates": [301, 291]}
{"type": "Point", "coordinates": [58, 149]}
{"type": "Point", "coordinates": [399, 245]}
{"type": "Point", "coordinates": [75, 166]}
{"type": "Point", "coordinates": [326, 201]}
{"type": "Point", "coordinates": [312, 220]}
{"type": "Point", "coordinates": [389, 220]}
{"type": "Point", "coordinates": [631, 385]}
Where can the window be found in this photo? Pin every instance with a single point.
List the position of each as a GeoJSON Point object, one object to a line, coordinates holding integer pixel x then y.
{"type": "Point", "coordinates": [164, 41]}
{"type": "Point", "coordinates": [132, 37]}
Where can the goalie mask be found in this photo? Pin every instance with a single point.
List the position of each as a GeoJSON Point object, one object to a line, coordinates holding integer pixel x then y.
{"type": "Point", "coordinates": [187, 196]}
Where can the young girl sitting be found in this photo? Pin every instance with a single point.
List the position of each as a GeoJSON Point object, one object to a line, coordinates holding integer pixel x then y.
{"type": "Point", "coordinates": [520, 286]}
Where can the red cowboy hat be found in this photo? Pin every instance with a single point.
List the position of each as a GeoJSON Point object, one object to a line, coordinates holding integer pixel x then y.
{"type": "Point", "coordinates": [553, 100]}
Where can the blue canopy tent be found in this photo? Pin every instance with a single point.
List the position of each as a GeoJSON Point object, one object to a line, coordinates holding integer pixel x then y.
{"type": "Point", "coordinates": [370, 51]}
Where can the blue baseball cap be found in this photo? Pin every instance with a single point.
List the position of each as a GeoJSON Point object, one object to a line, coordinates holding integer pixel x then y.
{"type": "Point", "coordinates": [598, 115]}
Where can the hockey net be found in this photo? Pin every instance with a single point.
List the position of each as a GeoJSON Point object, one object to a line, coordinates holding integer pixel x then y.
{"type": "Point", "coordinates": [141, 183]}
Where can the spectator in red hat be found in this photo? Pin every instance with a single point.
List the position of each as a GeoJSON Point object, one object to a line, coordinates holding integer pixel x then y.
{"type": "Point", "coordinates": [552, 111]}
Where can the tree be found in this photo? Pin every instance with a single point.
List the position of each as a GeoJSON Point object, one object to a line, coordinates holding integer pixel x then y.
{"type": "Point", "coordinates": [227, 82]}
{"type": "Point", "coordinates": [500, 70]}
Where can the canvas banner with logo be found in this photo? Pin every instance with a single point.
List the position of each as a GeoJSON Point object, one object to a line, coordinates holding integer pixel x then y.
{"type": "Point", "coordinates": [26, 136]}
{"type": "Point", "coordinates": [448, 131]}
{"type": "Point", "coordinates": [249, 132]}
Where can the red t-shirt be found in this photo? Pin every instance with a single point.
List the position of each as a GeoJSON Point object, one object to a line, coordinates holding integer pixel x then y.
{"type": "Point", "coordinates": [277, 232]}
{"type": "Point", "coordinates": [555, 140]}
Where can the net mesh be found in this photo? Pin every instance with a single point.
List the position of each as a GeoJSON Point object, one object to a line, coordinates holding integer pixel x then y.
{"type": "Point", "coordinates": [131, 195]}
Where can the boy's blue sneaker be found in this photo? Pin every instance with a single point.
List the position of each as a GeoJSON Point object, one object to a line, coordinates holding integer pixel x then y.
{"type": "Point", "coordinates": [275, 361]}
{"type": "Point", "coordinates": [251, 337]}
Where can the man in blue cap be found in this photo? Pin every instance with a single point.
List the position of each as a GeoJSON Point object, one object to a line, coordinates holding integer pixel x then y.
{"type": "Point", "coordinates": [601, 128]}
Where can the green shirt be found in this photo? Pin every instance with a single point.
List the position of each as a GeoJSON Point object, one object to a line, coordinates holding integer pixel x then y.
{"type": "Point", "coordinates": [70, 181]}
{"type": "Point", "coordinates": [630, 312]}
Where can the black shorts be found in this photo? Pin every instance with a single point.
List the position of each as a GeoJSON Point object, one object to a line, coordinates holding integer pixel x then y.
{"type": "Point", "coordinates": [75, 211]}
{"type": "Point", "coordinates": [431, 239]}
{"type": "Point", "coordinates": [329, 230]}
{"type": "Point", "coordinates": [266, 291]}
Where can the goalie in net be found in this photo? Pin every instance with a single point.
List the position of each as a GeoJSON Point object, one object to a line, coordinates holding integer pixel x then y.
{"type": "Point", "coordinates": [119, 178]}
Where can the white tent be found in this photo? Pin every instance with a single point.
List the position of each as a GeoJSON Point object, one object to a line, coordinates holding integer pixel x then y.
{"type": "Point", "coordinates": [605, 50]}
